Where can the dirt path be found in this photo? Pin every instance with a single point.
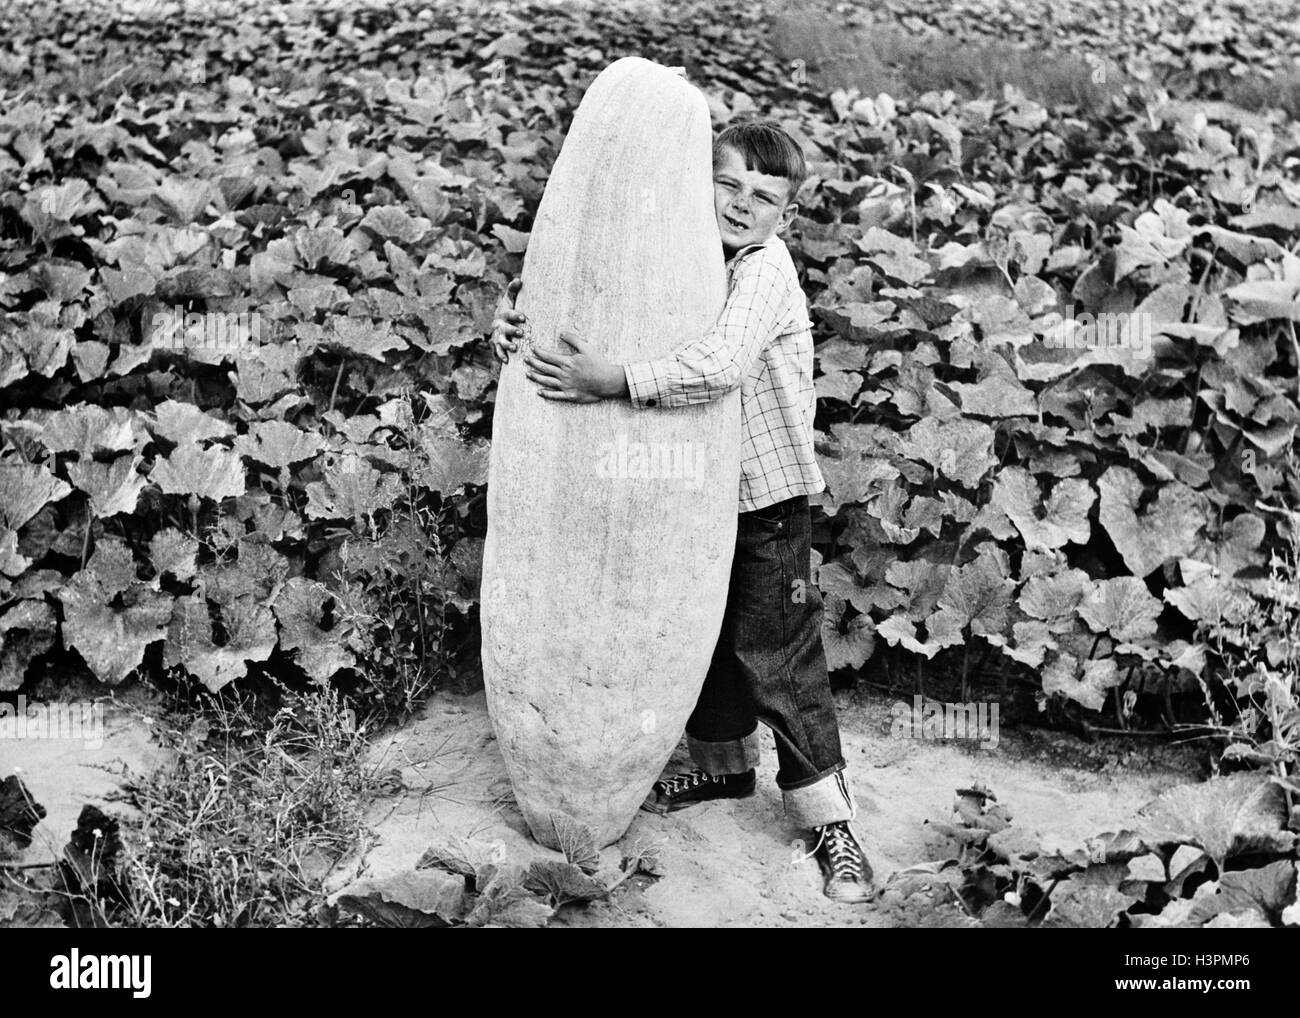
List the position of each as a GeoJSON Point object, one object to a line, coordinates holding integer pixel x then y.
{"type": "Point", "coordinates": [734, 863]}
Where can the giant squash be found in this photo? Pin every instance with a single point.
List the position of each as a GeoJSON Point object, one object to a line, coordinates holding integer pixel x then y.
{"type": "Point", "coordinates": [610, 529]}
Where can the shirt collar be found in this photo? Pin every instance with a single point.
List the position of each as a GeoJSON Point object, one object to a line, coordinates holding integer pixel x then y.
{"type": "Point", "coordinates": [751, 247]}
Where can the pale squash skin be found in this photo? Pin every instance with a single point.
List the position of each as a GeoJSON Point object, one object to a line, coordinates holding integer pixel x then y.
{"type": "Point", "coordinates": [602, 596]}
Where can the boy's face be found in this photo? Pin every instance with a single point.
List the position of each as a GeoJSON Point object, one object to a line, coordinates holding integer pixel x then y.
{"type": "Point", "coordinates": [750, 206]}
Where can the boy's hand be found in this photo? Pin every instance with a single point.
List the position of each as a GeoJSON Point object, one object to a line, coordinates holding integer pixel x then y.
{"type": "Point", "coordinates": [582, 377]}
{"type": "Point", "coordinates": [508, 325]}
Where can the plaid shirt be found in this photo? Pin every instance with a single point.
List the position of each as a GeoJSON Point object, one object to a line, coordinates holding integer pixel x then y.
{"type": "Point", "coordinates": [762, 342]}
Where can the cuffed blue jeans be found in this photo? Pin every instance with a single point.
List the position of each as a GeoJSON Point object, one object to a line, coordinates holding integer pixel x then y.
{"type": "Point", "coordinates": [769, 666]}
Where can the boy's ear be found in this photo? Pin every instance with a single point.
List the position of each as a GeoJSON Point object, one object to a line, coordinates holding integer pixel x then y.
{"type": "Point", "coordinates": [787, 216]}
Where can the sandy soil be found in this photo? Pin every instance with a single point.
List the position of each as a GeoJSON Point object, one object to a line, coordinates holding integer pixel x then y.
{"type": "Point", "coordinates": [65, 774]}
{"type": "Point", "coordinates": [737, 863]}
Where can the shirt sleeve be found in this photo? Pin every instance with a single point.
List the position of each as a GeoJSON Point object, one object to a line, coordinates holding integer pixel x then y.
{"type": "Point", "coordinates": [703, 369]}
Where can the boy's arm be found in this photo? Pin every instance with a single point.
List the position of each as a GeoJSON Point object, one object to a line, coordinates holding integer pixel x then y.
{"type": "Point", "coordinates": [698, 371]}
{"type": "Point", "coordinates": [703, 369]}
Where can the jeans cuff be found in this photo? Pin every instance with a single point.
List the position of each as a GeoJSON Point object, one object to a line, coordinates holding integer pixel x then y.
{"type": "Point", "coordinates": [735, 756]}
{"type": "Point", "coordinates": [826, 800]}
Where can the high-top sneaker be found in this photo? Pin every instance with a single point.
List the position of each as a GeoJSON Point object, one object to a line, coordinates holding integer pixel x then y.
{"type": "Point", "coordinates": [682, 790]}
{"type": "Point", "coordinates": [848, 874]}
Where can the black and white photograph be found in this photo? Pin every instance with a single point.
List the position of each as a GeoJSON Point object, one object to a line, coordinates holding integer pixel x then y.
{"type": "Point", "coordinates": [651, 464]}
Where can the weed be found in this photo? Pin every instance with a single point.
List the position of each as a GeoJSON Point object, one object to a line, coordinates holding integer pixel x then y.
{"type": "Point", "coordinates": [243, 824]}
{"type": "Point", "coordinates": [1259, 647]}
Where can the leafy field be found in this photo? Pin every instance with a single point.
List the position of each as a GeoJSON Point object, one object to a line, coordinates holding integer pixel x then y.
{"type": "Point", "coordinates": [1083, 54]}
{"type": "Point", "coordinates": [249, 257]}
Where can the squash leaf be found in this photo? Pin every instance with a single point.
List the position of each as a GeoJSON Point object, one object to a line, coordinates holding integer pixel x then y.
{"type": "Point", "coordinates": [1122, 607]}
{"type": "Point", "coordinates": [466, 856]}
{"type": "Point", "coordinates": [1055, 598]}
{"type": "Point", "coordinates": [87, 428]}
{"type": "Point", "coordinates": [562, 882]}
{"type": "Point", "coordinates": [961, 450]}
{"type": "Point", "coordinates": [850, 646]}
{"type": "Point", "coordinates": [26, 631]}
{"type": "Point", "coordinates": [1090, 905]}
{"type": "Point", "coordinates": [251, 636]}
{"type": "Point", "coordinates": [213, 473]}
{"type": "Point", "coordinates": [415, 899]}
{"type": "Point", "coordinates": [25, 489]}
{"type": "Point", "coordinates": [976, 595]}
{"type": "Point", "coordinates": [1250, 897]}
{"type": "Point", "coordinates": [1062, 675]}
{"type": "Point", "coordinates": [184, 422]}
{"type": "Point", "coordinates": [278, 444]}
{"type": "Point", "coordinates": [1167, 529]}
{"type": "Point", "coordinates": [112, 488]}
{"type": "Point", "coordinates": [1060, 519]}
{"type": "Point", "coordinates": [450, 463]}
{"type": "Point", "coordinates": [111, 641]}
{"type": "Point", "coordinates": [365, 337]}
{"type": "Point", "coordinates": [1224, 816]}
{"type": "Point", "coordinates": [577, 842]}
{"type": "Point", "coordinates": [505, 901]}
{"type": "Point", "coordinates": [352, 489]}
{"type": "Point", "coordinates": [11, 562]}
{"type": "Point", "coordinates": [300, 608]}
{"type": "Point", "coordinates": [173, 552]}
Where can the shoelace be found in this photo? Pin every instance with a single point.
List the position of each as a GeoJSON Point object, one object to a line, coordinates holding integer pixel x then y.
{"type": "Point", "coordinates": [844, 856]}
{"type": "Point", "coordinates": [681, 782]}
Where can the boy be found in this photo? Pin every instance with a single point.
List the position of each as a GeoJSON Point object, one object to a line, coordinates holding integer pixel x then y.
{"type": "Point", "coordinates": [769, 664]}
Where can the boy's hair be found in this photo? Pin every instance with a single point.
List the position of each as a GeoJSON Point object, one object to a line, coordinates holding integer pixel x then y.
{"type": "Point", "coordinates": [766, 147]}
